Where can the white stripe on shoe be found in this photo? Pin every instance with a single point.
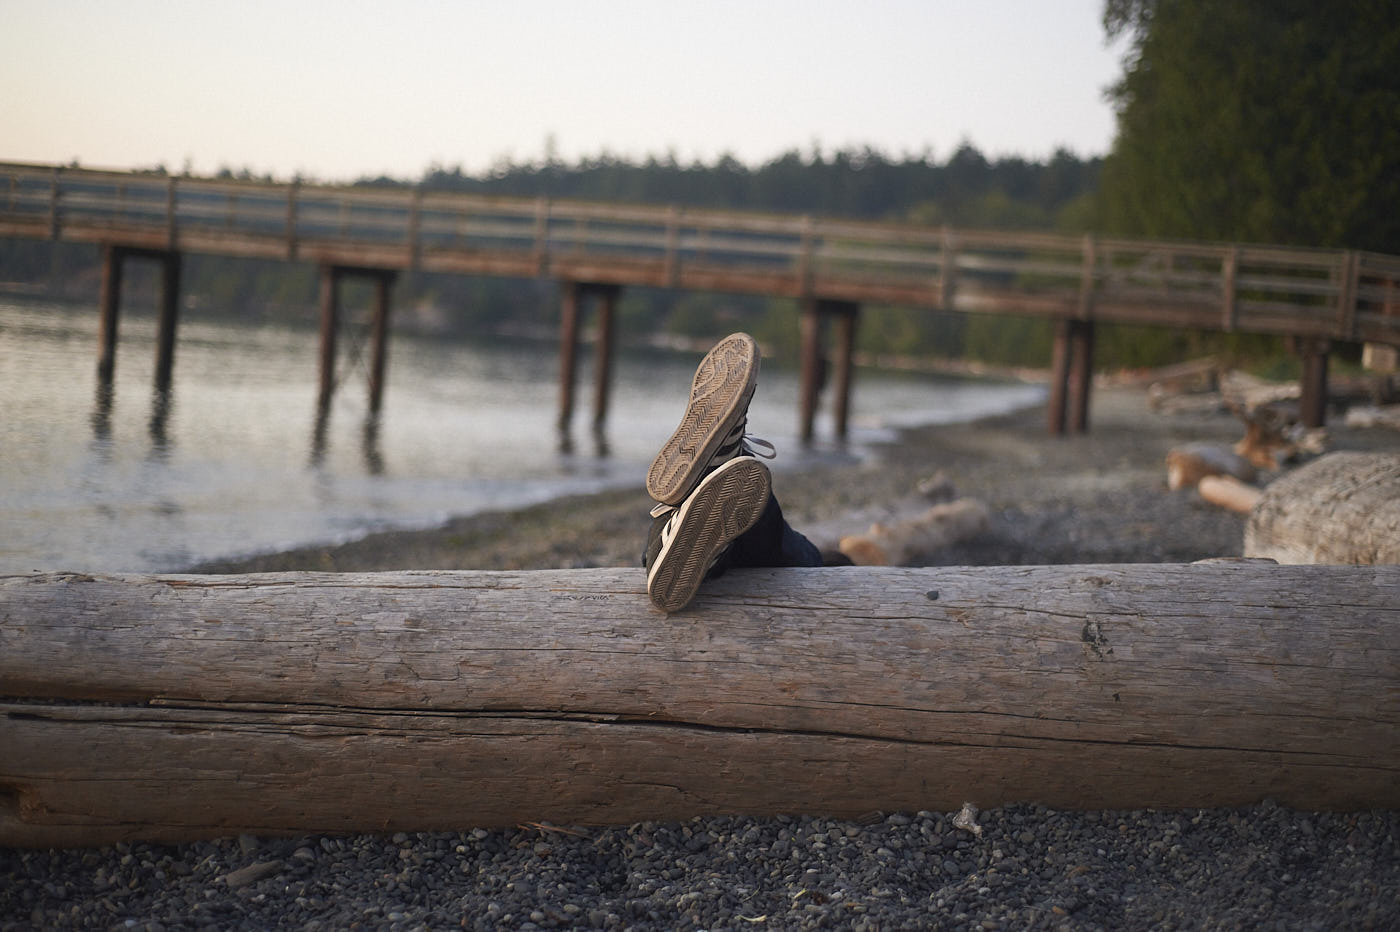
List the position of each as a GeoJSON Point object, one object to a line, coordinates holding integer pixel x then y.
{"type": "Point", "coordinates": [724, 505]}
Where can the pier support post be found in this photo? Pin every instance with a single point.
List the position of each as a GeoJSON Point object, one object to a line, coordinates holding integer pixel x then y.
{"type": "Point", "coordinates": [813, 366]}
{"type": "Point", "coordinates": [168, 320]}
{"type": "Point", "coordinates": [1313, 403]}
{"type": "Point", "coordinates": [379, 338]}
{"type": "Point", "coordinates": [330, 313]}
{"type": "Point", "coordinates": [603, 355]}
{"type": "Point", "coordinates": [812, 325]}
{"type": "Point", "coordinates": [1059, 378]}
{"type": "Point", "coordinates": [1071, 376]}
{"type": "Point", "coordinates": [1081, 375]}
{"type": "Point", "coordinates": [571, 297]}
{"type": "Point", "coordinates": [110, 310]}
{"type": "Point", "coordinates": [568, 351]}
{"type": "Point", "coordinates": [845, 314]}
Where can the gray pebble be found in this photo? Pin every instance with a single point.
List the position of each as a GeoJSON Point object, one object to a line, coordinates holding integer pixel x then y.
{"type": "Point", "coordinates": [1261, 867]}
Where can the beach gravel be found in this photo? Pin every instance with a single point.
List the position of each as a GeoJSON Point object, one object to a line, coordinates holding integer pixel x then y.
{"type": "Point", "coordinates": [1095, 498]}
{"type": "Point", "coordinates": [1262, 867]}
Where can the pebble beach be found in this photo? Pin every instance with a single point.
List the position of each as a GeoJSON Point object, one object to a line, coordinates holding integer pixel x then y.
{"type": "Point", "coordinates": [1096, 498]}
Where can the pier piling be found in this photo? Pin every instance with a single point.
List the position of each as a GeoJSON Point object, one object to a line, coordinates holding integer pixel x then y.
{"type": "Point", "coordinates": [110, 310]}
{"type": "Point", "coordinates": [379, 337]}
{"type": "Point", "coordinates": [603, 355]}
{"type": "Point", "coordinates": [330, 313]}
{"type": "Point", "coordinates": [812, 319]}
{"type": "Point", "coordinates": [568, 351]}
{"type": "Point", "coordinates": [169, 319]}
{"type": "Point", "coordinates": [1071, 377]}
{"type": "Point", "coordinates": [1312, 406]}
{"type": "Point", "coordinates": [571, 297]}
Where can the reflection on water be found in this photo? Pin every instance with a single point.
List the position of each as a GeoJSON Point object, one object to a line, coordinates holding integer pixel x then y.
{"type": "Point", "coordinates": [597, 432]}
{"type": "Point", "coordinates": [370, 450]}
{"type": "Point", "coordinates": [369, 444]}
{"type": "Point", "coordinates": [162, 401]}
{"type": "Point", "coordinates": [235, 457]}
{"type": "Point", "coordinates": [102, 412]}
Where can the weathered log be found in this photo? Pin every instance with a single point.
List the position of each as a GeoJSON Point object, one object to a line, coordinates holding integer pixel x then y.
{"type": "Point", "coordinates": [1188, 464]}
{"type": "Point", "coordinates": [1340, 508]}
{"type": "Point", "coordinates": [179, 707]}
{"type": "Point", "coordinates": [1229, 492]}
{"type": "Point", "coordinates": [903, 542]}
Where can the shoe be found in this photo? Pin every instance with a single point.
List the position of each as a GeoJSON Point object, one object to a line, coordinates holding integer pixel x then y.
{"type": "Point", "coordinates": [726, 503]}
{"type": "Point", "coordinates": [712, 430]}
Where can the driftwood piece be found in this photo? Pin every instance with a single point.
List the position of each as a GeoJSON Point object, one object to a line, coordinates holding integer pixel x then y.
{"type": "Point", "coordinates": [1368, 416]}
{"type": "Point", "coordinates": [1340, 508]}
{"type": "Point", "coordinates": [1189, 463]}
{"type": "Point", "coordinates": [179, 707]}
{"type": "Point", "coordinates": [1229, 492]}
{"type": "Point", "coordinates": [1273, 435]}
{"type": "Point", "coordinates": [903, 542]}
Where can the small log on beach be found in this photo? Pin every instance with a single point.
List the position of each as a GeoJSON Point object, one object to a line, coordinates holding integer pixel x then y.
{"type": "Point", "coordinates": [899, 543]}
{"type": "Point", "coordinates": [1340, 508]}
{"type": "Point", "coordinates": [177, 707]}
{"type": "Point", "coordinates": [1229, 493]}
{"type": "Point", "coordinates": [1189, 463]}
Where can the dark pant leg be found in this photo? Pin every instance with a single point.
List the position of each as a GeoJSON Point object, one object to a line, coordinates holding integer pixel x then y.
{"type": "Point", "coordinates": [770, 542]}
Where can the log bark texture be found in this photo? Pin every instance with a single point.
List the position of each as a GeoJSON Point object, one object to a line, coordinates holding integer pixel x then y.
{"type": "Point", "coordinates": [179, 707]}
{"type": "Point", "coordinates": [1340, 508]}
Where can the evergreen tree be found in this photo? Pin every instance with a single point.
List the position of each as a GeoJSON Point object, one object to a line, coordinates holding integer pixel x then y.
{"type": "Point", "coordinates": [1257, 120]}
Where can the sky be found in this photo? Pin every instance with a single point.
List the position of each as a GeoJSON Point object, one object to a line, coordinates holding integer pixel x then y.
{"type": "Point", "coordinates": [336, 90]}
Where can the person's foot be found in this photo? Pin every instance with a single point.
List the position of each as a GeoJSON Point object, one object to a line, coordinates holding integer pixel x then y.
{"type": "Point", "coordinates": [724, 505]}
{"type": "Point", "coordinates": [712, 429]}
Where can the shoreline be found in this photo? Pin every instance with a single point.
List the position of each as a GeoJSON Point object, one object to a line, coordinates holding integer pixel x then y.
{"type": "Point", "coordinates": [1096, 498]}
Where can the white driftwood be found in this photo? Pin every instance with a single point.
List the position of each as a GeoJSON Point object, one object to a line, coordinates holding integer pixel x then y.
{"type": "Point", "coordinates": [179, 707]}
{"type": "Point", "coordinates": [1188, 464]}
{"type": "Point", "coordinates": [903, 542]}
{"type": "Point", "coordinates": [1340, 508]}
{"type": "Point", "coordinates": [1367, 416]}
{"type": "Point", "coordinates": [1229, 492]}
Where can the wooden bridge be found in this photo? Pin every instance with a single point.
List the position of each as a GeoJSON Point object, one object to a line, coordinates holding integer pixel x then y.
{"type": "Point", "coordinates": [830, 266]}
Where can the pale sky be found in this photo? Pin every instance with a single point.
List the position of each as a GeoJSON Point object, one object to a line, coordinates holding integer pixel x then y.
{"type": "Point", "coordinates": [340, 89]}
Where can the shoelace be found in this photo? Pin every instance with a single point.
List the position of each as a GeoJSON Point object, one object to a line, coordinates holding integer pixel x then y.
{"type": "Point", "coordinates": [739, 440]}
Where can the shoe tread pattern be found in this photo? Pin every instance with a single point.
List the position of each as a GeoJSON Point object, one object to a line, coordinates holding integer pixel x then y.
{"type": "Point", "coordinates": [719, 392]}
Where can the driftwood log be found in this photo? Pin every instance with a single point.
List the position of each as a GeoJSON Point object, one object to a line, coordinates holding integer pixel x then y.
{"type": "Point", "coordinates": [179, 707]}
{"type": "Point", "coordinates": [1340, 508]}
{"type": "Point", "coordinates": [900, 543]}
{"type": "Point", "coordinates": [1188, 464]}
{"type": "Point", "coordinates": [1230, 493]}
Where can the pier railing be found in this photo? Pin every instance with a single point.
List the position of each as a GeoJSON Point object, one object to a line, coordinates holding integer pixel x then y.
{"type": "Point", "coordinates": [1338, 294]}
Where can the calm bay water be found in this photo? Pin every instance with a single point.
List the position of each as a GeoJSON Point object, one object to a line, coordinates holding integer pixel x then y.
{"type": "Point", "coordinates": [234, 460]}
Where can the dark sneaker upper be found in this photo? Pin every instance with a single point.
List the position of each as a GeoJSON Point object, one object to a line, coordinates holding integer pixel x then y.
{"type": "Point", "coordinates": [725, 504]}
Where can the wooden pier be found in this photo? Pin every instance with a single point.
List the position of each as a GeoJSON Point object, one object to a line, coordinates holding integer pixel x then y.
{"type": "Point", "coordinates": [831, 267]}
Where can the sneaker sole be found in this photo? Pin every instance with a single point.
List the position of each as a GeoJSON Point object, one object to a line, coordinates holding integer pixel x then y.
{"type": "Point", "coordinates": [724, 505]}
{"type": "Point", "coordinates": [719, 397]}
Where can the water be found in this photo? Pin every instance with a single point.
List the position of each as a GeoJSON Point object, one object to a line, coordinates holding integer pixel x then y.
{"type": "Point", "coordinates": [235, 461]}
